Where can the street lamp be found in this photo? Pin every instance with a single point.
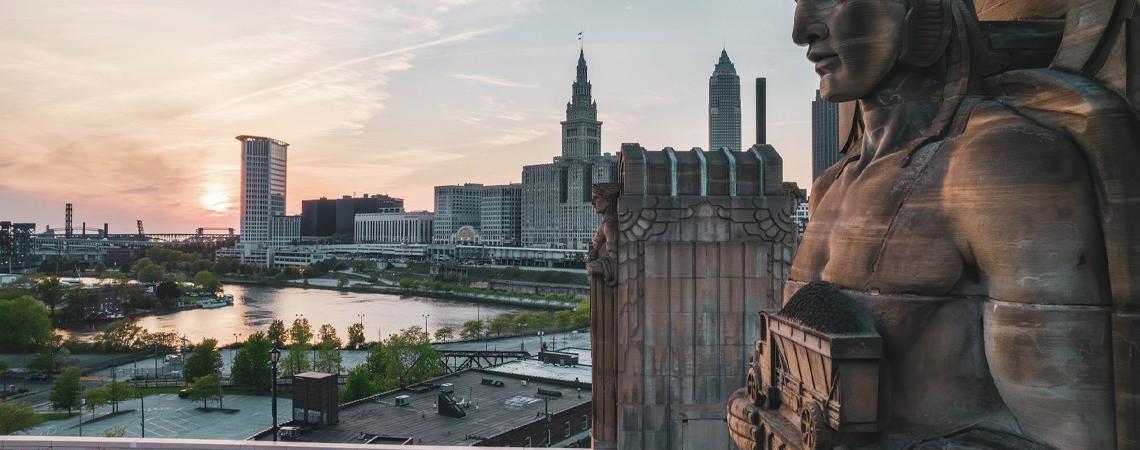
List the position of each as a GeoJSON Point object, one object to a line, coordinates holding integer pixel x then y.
{"type": "Point", "coordinates": [274, 355]}
{"type": "Point", "coordinates": [425, 322]}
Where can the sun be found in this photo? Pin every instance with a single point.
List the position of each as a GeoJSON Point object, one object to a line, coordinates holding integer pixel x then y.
{"type": "Point", "coordinates": [215, 201]}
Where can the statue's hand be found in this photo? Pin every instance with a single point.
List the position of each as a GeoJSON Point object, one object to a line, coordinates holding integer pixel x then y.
{"type": "Point", "coordinates": [743, 420]}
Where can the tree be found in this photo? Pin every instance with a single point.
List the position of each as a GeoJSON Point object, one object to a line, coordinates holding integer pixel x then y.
{"type": "Point", "coordinates": [167, 293]}
{"type": "Point", "coordinates": [50, 291]}
{"type": "Point", "coordinates": [204, 360]}
{"type": "Point", "coordinates": [94, 398]}
{"type": "Point", "coordinates": [327, 358]}
{"type": "Point", "coordinates": [252, 364]}
{"type": "Point", "coordinates": [402, 359]}
{"type": "Point", "coordinates": [99, 269]}
{"type": "Point", "coordinates": [15, 417]}
{"type": "Point", "coordinates": [75, 306]}
{"type": "Point", "coordinates": [4, 366]}
{"type": "Point", "coordinates": [207, 387]}
{"type": "Point", "coordinates": [356, 336]}
{"type": "Point", "coordinates": [301, 332]}
{"type": "Point", "coordinates": [276, 333]}
{"type": "Point", "coordinates": [358, 385]}
{"type": "Point", "coordinates": [66, 390]}
{"type": "Point", "coordinates": [295, 361]}
{"type": "Point", "coordinates": [118, 391]}
{"type": "Point", "coordinates": [151, 274]}
{"type": "Point", "coordinates": [141, 264]}
{"type": "Point", "coordinates": [444, 334]}
{"type": "Point", "coordinates": [327, 334]}
{"type": "Point", "coordinates": [501, 324]}
{"type": "Point", "coordinates": [122, 335]}
{"type": "Point", "coordinates": [25, 324]}
{"type": "Point", "coordinates": [341, 281]}
{"type": "Point", "coordinates": [472, 329]}
{"type": "Point", "coordinates": [207, 281]}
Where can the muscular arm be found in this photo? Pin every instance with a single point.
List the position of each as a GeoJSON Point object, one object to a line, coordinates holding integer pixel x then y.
{"type": "Point", "coordinates": [1025, 210]}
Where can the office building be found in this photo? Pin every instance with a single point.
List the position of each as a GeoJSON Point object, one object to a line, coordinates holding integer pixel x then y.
{"type": "Point", "coordinates": [761, 111]}
{"type": "Point", "coordinates": [262, 186]}
{"type": "Point", "coordinates": [724, 106]}
{"type": "Point", "coordinates": [500, 215]}
{"type": "Point", "coordinates": [326, 217]}
{"type": "Point", "coordinates": [472, 213]}
{"type": "Point", "coordinates": [824, 135]}
{"type": "Point", "coordinates": [556, 209]}
{"type": "Point", "coordinates": [394, 228]}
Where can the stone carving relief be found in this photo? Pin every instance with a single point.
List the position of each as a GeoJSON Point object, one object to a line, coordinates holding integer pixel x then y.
{"type": "Point", "coordinates": [985, 219]}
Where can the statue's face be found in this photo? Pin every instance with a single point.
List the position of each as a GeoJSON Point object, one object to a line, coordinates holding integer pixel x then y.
{"type": "Point", "coordinates": [854, 44]}
{"type": "Point", "coordinates": [601, 204]}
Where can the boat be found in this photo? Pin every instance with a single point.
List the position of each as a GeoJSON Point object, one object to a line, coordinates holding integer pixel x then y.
{"type": "Point", "coordinates": [215, 302]}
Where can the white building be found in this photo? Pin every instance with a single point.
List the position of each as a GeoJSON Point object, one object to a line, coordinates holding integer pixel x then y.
{"type": "Point", "coordinates": [474, 213]}
{"type": "Point", "coordinates": [393, 228]}
{"type": "Point", "coordinates": [262, 186]}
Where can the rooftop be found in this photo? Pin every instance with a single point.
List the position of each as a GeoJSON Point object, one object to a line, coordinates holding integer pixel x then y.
{"type": "Point", "coordinates": [491, 410]}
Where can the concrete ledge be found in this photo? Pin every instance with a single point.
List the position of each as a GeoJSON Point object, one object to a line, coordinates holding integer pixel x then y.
{"type": "Point", "coordinates": [85, 443]}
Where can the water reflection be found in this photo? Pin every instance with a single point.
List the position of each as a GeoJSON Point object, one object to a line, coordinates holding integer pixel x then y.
{"type": "Point", "coordinates": [256, 306]}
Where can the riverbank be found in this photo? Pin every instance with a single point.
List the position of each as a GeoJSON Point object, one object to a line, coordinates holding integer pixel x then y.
{"type": "Point", "coordinates": [414, 292]}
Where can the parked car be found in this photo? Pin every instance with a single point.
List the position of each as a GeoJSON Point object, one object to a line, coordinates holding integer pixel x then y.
{"type": "Point", "coordinates": [184, 393]}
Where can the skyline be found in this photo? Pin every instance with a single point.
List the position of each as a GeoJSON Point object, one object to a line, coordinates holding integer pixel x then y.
{"type": "Point", "coordinates": [131, 114]}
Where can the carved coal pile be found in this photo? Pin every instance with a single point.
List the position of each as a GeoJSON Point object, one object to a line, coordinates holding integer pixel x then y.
{"type": "Point", "coordinates": [815, 372]}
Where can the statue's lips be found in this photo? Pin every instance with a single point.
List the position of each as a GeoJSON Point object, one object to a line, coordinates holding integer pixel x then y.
{"type": "Point", "coordinates": [826, 64]}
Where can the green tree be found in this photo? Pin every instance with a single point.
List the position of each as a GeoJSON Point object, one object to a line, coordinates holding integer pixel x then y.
{"type": "Point", "coordinates": [206, 388]}
{"type": "Point", "coordinates": [50, 291]}
{"type": "Point", "coordinates": [444, 334]}
{"type": "Point", "coordinates": [141, 264]}
{"type": "Point", "coordinates": [295, 361]}
{"type": "Point", "coordinates": [167, 293]}
{"type": "Point", "coordinates": [99, 269]}
{"type": "Point", "coordinates": [66, 390]}
{"type": "Point", "coordinates": [252, 364]}
{"type": "Point", "coordinates": [151, 274]}
{"type": "Point", "coordinates": [25, 324]}
{"type": "Point", "coordinates": [15, 417]}
{"type": "Point", "coordinates": [276, 333]}
{"type": "Point", "coordinates": [4, 366]}
{"type": "Point", "coordinates": [472, 329]}
{"type": "Point", "coordinates": [403, 359]}
{"type": "Point", "coordinates": [204, 360]}
{"type": "Point", "coordinates": [327, 334]}
{"type": "Point", "coordinates": [301, 332]}
{"type": "Point", "coordinates": [122, 335]}
{"type": "Point", "coordinates": [94, 398]}
{"type": "Point", "coordinates": [75, 305]}
{"type": "Point", "coordinates": [207, 281]}
{"type": "Point", "coordinates": [358, 385]}
{"type": "Point", "coordinates": [327, 359]}
{"type": "Point", "coordinates": [356, 336]}
{"type": "Point", "coordinates": [501, 324]}
{"type": "Point", "coordinates": [341, 281]}
{"type": "Point", "coordinates": [118, 391]}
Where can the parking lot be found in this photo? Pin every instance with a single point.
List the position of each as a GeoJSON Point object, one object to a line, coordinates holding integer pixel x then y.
{"type": "Point", "coordinates": [167, 416]}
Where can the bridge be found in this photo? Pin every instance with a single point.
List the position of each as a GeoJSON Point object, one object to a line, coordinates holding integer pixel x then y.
{"type": "Point", "coordinates": [457, 360]}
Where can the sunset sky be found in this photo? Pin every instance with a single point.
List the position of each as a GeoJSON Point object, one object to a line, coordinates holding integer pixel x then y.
{"type": "Point", "coordinates": [129, 109]}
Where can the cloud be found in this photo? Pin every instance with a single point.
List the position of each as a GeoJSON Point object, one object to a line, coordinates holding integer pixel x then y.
{"type": "Point", "coordinates": [492, 81]}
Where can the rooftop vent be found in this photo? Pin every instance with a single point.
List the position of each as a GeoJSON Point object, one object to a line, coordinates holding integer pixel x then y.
{"type": "Point", "coordinates": [490, 382]}
{"type": "Point", "coordinates": [403, 400]}
{"type": "Point", "coordinates": [447, 405]}
{"type": "Point", "coordinates": [447, 388]}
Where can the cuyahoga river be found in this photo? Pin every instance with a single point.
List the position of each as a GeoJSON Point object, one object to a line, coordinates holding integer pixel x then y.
{"type": "Point", "coordinates": [256, 306]}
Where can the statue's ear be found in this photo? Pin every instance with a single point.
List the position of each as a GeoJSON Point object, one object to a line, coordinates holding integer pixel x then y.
{"type": "Point", "coordinates": [926, 33]}
{"type": "Point", "coordinates": [850, 125]}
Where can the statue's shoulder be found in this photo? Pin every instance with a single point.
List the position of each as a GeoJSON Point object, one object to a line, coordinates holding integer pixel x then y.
{"type": "Point", "coordinates": [1000, 148]}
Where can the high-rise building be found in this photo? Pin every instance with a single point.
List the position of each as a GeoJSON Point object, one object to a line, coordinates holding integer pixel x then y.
{"type": "Point", "coordinates": [262, 186]}
{"type": "Point", "coordinates": [474, 213]}
{"type": "Point", "coordinates": [325, 217]}
{"type": "Point", "coordinates": [556, 209]}
{"type": "Point", "coordinates": [581, 131]}
{"type": "Point", "coordinates": [824, 135]}
{"type": "Point", "coordinates": [724, 106]}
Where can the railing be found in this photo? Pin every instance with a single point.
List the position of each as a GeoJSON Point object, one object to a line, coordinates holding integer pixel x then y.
{"type": "Point", "coordinates": [94, 443]}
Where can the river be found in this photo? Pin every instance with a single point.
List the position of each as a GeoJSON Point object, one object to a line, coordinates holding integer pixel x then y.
{"type": "Point", "coordinates": [256, 306]}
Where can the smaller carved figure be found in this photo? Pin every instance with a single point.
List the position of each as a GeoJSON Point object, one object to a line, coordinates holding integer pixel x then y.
{"type": "Point", "coordinates": [602, 257]}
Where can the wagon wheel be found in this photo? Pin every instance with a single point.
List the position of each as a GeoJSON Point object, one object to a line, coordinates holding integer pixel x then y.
{"type": "Point", "coordinates": [814, 431]}
{"type": "Point", "coordinates": [754, 392]}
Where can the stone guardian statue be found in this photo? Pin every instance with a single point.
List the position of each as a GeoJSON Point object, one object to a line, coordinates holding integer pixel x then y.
{"type": "Point", "coordinates": [601, 265]}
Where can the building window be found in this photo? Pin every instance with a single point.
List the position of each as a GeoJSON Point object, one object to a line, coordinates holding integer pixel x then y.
{"type": "Point", "coordinates": [585, 422]}
{"type": "Point", "coordinates": [566, 430]}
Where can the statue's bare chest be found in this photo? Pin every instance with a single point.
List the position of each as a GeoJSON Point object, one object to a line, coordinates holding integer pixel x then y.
{"type": "Point", "coordinates": [882, 228]}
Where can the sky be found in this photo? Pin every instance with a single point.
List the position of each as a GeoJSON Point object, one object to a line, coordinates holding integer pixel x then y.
{"type": "Point", "coordinates": [129, 110]}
